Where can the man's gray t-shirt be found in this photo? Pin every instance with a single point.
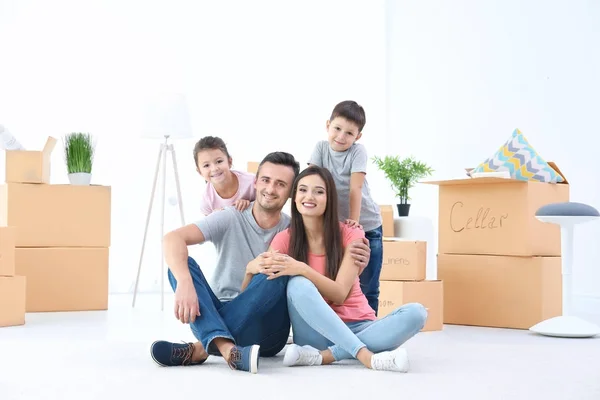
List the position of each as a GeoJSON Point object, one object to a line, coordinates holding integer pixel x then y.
{"type": "Point", "coordinates": [238, 240]}
{"type": "Point", "coordinates": [342, 164]}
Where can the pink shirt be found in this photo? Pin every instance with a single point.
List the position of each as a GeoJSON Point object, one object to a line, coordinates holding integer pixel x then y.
{"type": "Point", "coordinates": [356, 307]}
{"type": "Point", "coordinates": [211, 201]}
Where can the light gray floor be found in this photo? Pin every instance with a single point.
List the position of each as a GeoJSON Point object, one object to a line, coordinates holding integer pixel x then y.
{"type": "Point", "coordinates": [104, 355]}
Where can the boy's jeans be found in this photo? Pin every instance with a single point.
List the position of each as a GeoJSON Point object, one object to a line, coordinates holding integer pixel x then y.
{"type": "Point", "coordinates": [258, 315]}
{"type": "Point", "coordinates": [317, 325]}
{"type": "Point", "coordinates": [369, 279]}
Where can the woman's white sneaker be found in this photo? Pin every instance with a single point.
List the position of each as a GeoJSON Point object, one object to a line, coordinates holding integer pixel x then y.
{"type": "Point", "coordinates": [301, 355]}
{"type": "Point", "coordinates": [396, 360]}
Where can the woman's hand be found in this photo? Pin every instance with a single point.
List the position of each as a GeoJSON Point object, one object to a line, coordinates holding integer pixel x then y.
{"type": "Point", "coordinates": [255, 266]}
{"type": "Point", "coordinates": [282, 264]}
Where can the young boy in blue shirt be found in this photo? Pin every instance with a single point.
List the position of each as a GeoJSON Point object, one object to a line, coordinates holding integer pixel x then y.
{"type": "Point", "coordinates": [347, 162]}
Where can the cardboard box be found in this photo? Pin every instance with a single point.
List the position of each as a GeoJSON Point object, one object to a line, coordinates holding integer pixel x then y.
{"type": "Point", "coordinates": [496, 216]}
{"type": "Point", "coordinates": [430, 294]}
{"type": "Point", "coordinates": [498, 291]}
{"type": "Point", "coordinates": [253, 167]}
{"type": "Point", "coordinates": [7, 251]}
{"type": "Point", "coordinates": [12, 300]}
{"type": "Point", "coordinates": [64, 279]}
{"type": "Point", "coordinates": [387, 217]}
{"type": "Point", "coordinates": [27, 166]}
{"type": "Point", "coordinates": [403, 260]}
{"type": "Point", "coordinates": [57, 215]}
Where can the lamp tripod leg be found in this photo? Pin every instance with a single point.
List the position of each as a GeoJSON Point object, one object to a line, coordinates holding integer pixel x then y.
{"type": "Point", "coordinates": [177, 185]}
{"type": "Point", "coordinates": [137, 279]}
{"type": "Point", "coordinates": [162, 229]}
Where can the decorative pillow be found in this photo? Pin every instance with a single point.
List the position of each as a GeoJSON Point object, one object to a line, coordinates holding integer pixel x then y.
{"type": "Point", "coordinates": [521, 160]}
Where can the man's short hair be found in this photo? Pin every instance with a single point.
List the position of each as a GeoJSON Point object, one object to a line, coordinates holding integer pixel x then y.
{"type": "Point", "coordinates": [281, 158]}
{"type": "Point", "coordinates": [352, 111]}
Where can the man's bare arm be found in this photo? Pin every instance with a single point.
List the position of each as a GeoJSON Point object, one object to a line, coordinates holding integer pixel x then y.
{"type": "Point", "coordinates": [175, 246]}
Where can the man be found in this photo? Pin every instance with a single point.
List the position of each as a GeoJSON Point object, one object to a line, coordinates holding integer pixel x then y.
{"type": "Point", "coordinates": [239, 326]}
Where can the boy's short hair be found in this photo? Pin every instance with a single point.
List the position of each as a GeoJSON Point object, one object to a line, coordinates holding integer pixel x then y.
{"type": "Point", "coordinates": [210, 143]}
{"type": "Point", "coordinates": [281, 158]}
{"type": "Point", "coordinates": [352, 111]}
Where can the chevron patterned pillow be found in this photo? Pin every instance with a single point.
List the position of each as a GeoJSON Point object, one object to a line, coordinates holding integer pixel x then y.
{"type": "Point", "coordinates": [521, 160]}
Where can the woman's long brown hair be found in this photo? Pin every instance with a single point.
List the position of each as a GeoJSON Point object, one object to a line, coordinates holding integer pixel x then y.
{"type": "Point", "coordinates": [334, 251]}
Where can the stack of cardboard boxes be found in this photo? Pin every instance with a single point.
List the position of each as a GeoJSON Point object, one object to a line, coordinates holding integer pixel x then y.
{"type": "Point", "coordinates": [61, 234]}
{"type": "Point", "coordinates": [403, 276]}
{"type": "Point", "coordinates": [12, 287]}
{"type": "Point", "coordinates": [501, 267]}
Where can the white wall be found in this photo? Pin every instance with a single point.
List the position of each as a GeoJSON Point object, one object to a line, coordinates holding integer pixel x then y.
{"type": "Point", "coordinates": [264, 75]}
{"type": "Point", "coordinates": [464, 74]}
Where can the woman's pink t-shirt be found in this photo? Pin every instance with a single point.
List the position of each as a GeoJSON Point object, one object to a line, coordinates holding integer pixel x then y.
{"type": "Point", "coordinates": [356, 307]}
{"type": "Point", "coordinates": [211, 200]}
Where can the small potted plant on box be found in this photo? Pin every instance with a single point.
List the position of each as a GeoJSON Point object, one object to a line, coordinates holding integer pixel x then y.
{"type": "Point", "coordinates": [402, 174]}
{"type": "Point", "coordinates": [79, 156]}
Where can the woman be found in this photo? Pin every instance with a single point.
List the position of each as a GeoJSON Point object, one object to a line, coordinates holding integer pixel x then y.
{"type": "Point", "coordinates": [330, 315]}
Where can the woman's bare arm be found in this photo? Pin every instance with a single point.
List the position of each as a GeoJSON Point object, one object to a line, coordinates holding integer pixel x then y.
{"type": "Point", "coordinates": [336, 291]}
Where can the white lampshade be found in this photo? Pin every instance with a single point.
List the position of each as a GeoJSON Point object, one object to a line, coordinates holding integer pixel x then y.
{"type": "Point", "coordinates": [166, 114]}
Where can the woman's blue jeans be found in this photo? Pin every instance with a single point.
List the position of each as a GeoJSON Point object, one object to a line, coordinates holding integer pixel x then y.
{"type": "Point", "coordinates": [316, 324]}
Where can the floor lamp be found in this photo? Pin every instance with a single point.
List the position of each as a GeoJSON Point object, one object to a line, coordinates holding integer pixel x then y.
{"type": "Point", "coordinates": [567, 215]}
{"type": "Point", "coordinates": [166, 118]}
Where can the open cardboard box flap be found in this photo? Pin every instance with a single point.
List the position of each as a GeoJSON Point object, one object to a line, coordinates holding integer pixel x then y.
{"type": "Point", "coordinates": [473, 181]}
{"type": "Point", "coordinates": [49, 146]}
{"type": "Point", "coordinates": [47, 149]}
{"type": "Point", "coordinates": [30, 166]}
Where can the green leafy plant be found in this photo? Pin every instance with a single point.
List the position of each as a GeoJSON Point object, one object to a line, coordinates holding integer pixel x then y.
{"type": "Point", "coordinates": [402, 174]}
{"type": "Point", "coordinates": [79, 152]}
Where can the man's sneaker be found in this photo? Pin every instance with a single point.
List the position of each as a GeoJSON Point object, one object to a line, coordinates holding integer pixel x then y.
{"type": "Point", "coordinates": [244, 358]}
{"type": "Point", "coordinates": [396, 360]}
{"type": "Point", "coordinates": [301, 355]}
{"type": "Point", "coordinates": [169, 354]}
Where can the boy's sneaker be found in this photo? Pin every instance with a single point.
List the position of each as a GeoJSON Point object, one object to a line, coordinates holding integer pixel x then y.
{"type": "Point", "coordinates": [169, 354]}
{"type": "Point", "coordinates": [301, 355]}
{"type": "Point", "coordinates": [244, 358]}
{"type": "Point", "coordinates": [396, 360]}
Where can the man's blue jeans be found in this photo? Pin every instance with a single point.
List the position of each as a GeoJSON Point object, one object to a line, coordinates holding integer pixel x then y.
{"type": "Point", "coordinates": [259, 315]}
{"type": "Point", "coordinates": [369, 278]}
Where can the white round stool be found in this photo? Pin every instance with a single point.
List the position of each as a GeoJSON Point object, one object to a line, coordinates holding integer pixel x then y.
{"type": "Point", "coordinates": [567, 215]}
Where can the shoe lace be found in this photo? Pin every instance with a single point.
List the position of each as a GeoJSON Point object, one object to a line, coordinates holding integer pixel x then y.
{"type": "Point", "coordinates": [235, 356]}
{"type": "Point", "coordinates": [184, 353]}
{"type": "Point", "coordinates": [384, 364]}
{"type": "Point", "coordinates": [308, 357]}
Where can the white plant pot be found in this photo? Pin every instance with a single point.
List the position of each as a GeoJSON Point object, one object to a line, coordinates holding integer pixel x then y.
{"type": "Point", "coordinates": [80, 178]}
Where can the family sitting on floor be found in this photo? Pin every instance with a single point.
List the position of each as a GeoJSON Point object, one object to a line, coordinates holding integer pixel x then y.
{"type": "Point", "coordinates": [316, 270]}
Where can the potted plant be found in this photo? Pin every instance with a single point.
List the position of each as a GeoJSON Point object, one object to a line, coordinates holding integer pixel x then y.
{"type": "Point", "coordinates": [402, 174]}
{"type": "Point", "coordinates": [79, 156]}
